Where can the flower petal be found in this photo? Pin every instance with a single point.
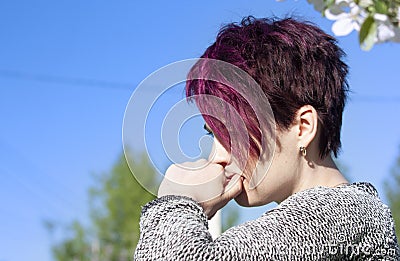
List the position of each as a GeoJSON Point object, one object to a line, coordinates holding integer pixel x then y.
{"type": "Point", "coordinates": [354, 9]}
{"type": "Point", "coordinates": [380, 17]}
{"type": "Point", "coordinates": [365, 3]}
{"type": "Point", "coordinates": [384, 32]}
{"type": "Point", "coordinates": [340, 2]}
{"type": "Point", "coordinates": [343, 27]}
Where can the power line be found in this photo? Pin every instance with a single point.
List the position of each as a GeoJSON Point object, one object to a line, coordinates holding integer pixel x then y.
{"type": "Point", "coordinates": [46, 78]}
{"type": "Point", "coordinates": [38, 183]}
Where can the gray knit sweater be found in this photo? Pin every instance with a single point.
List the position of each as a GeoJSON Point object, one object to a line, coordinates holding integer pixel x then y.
{"type": "Point", "coordinates": [348, 222]}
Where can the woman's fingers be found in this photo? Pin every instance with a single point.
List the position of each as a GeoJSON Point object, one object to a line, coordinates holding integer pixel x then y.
{"type": "Point", "coordinates": [234, 187]}
{"type": "Point", "coordinates": [200, 180]}
{"type": "Point", "coordinates": [205, 182]}
{"type": "Point", "coordinates": [232, 190]}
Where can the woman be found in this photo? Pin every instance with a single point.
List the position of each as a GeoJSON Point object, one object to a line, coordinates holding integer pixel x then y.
{"type": "Point", "coordinates": [320, 215]}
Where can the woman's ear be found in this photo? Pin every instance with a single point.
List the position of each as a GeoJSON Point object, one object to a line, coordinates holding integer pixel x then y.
{"type": "Point", "coordinates": [307, 119]}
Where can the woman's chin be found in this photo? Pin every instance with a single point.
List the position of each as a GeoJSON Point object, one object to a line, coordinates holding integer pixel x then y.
{"type": "Point", "coordinates": [251, 198]}
{"type": "Point", "coordinates": [245, 199]}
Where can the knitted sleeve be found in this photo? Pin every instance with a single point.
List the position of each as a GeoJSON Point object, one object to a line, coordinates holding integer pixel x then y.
{"type": "Point", "coordinates": [346, 223]}
{"type": "Point", "coordinates": [175, 228]}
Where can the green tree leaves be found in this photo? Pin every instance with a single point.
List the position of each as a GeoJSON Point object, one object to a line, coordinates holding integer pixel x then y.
{"type": "Point", "coordinates": [368, 33]}
{"type": "Point", "coordinates": [377, 21]}
{"type": "Point", "coordinates": [75, 247]}
{"type": "Point", "coordinates": [392, 191]}
{"type": "Point", "coordinates": [115, 207]}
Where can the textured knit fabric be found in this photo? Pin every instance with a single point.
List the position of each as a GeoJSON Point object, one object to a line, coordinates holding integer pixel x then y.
{"type": "Point", "coordinates": [348, 222]}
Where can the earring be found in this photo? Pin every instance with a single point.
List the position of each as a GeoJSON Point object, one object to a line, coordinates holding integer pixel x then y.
{"type": "Point", "coordinates": [303, 151]}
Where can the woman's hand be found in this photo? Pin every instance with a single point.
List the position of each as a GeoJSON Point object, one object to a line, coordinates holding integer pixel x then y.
{"type": "Point", "coordinates": [207, 183]}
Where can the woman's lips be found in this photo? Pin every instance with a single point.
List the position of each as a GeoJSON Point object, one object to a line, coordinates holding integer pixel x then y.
{"type": "Point", "coordinates": [226, 181]}
{"type": "Point", "coordinates": [228, 177]}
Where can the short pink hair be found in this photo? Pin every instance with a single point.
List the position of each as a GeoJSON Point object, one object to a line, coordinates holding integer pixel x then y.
{"type": "Point", "coordinates": [295, 63]}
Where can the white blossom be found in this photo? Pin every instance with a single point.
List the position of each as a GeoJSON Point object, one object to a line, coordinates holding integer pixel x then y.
{"type": "Point", "coordinates": [384, 28]}
{"type": "Point", "coordinates": [386, 31]}
{"type": "Point", "coordinates": [347, 16]}
{"type": "Point", "coordinates": [365, 3]}
{"type": "Point", "coordinates": [398, 13]}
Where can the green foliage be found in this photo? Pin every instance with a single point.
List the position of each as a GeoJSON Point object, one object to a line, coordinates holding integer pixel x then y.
{"type": "Point", "coordinates": [115, 206]}
{"type": "Point", "coordinates": [75, 247]}
{"type": "Point", "coordinates": [367, 33]}
{"type": "Point", "coordinates": [392, 190]}
{"type": "Point", "coordinates": [381, 7]}
{"type": "Point", "coordinates": [230, 215]}
{"type": "Point", "coordinates": [376, 20]}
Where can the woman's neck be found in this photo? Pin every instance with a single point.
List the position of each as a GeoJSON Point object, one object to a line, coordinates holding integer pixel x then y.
{"type": "Point", "coordinates": [322, 173]}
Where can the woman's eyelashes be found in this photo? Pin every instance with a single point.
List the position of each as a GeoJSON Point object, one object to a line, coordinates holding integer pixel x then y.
{"type": "Point", "coordinates": [209, 132]}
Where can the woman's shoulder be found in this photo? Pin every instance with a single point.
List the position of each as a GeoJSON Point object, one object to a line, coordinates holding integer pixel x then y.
{"type": "Point", "coordinates": [321, 195]}
{"type": "Point", "coordinates": [322, 210]}
{"type": "Point", "coordinates": [344, 219]}
{"type": "Point", "coordinates": [359, 197]}
{"type": "Point", "coordinates": [348, 209]}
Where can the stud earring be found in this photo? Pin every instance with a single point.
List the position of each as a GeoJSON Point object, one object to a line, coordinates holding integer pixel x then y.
{"type": "Point", "coordinates": [303, 151]}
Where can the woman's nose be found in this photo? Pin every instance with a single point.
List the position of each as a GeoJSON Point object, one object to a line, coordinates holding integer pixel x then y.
{"type": "Point", "coordinates": [219, 154]}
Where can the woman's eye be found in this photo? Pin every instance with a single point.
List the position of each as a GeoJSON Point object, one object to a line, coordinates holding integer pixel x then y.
{"type": "Point", "coordinates": [209, 132]}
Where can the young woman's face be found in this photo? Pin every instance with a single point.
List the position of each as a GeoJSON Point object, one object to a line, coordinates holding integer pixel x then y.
{"type": "Point", "coordinates": [274, 180]}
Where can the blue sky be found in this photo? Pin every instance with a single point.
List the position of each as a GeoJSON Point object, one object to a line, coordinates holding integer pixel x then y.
{"type": "Point", "coordinates": [68, 69]}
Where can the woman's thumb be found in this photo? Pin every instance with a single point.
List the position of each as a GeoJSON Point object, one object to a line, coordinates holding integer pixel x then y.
{"type": "Point", "coordinates": [234, 187]}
